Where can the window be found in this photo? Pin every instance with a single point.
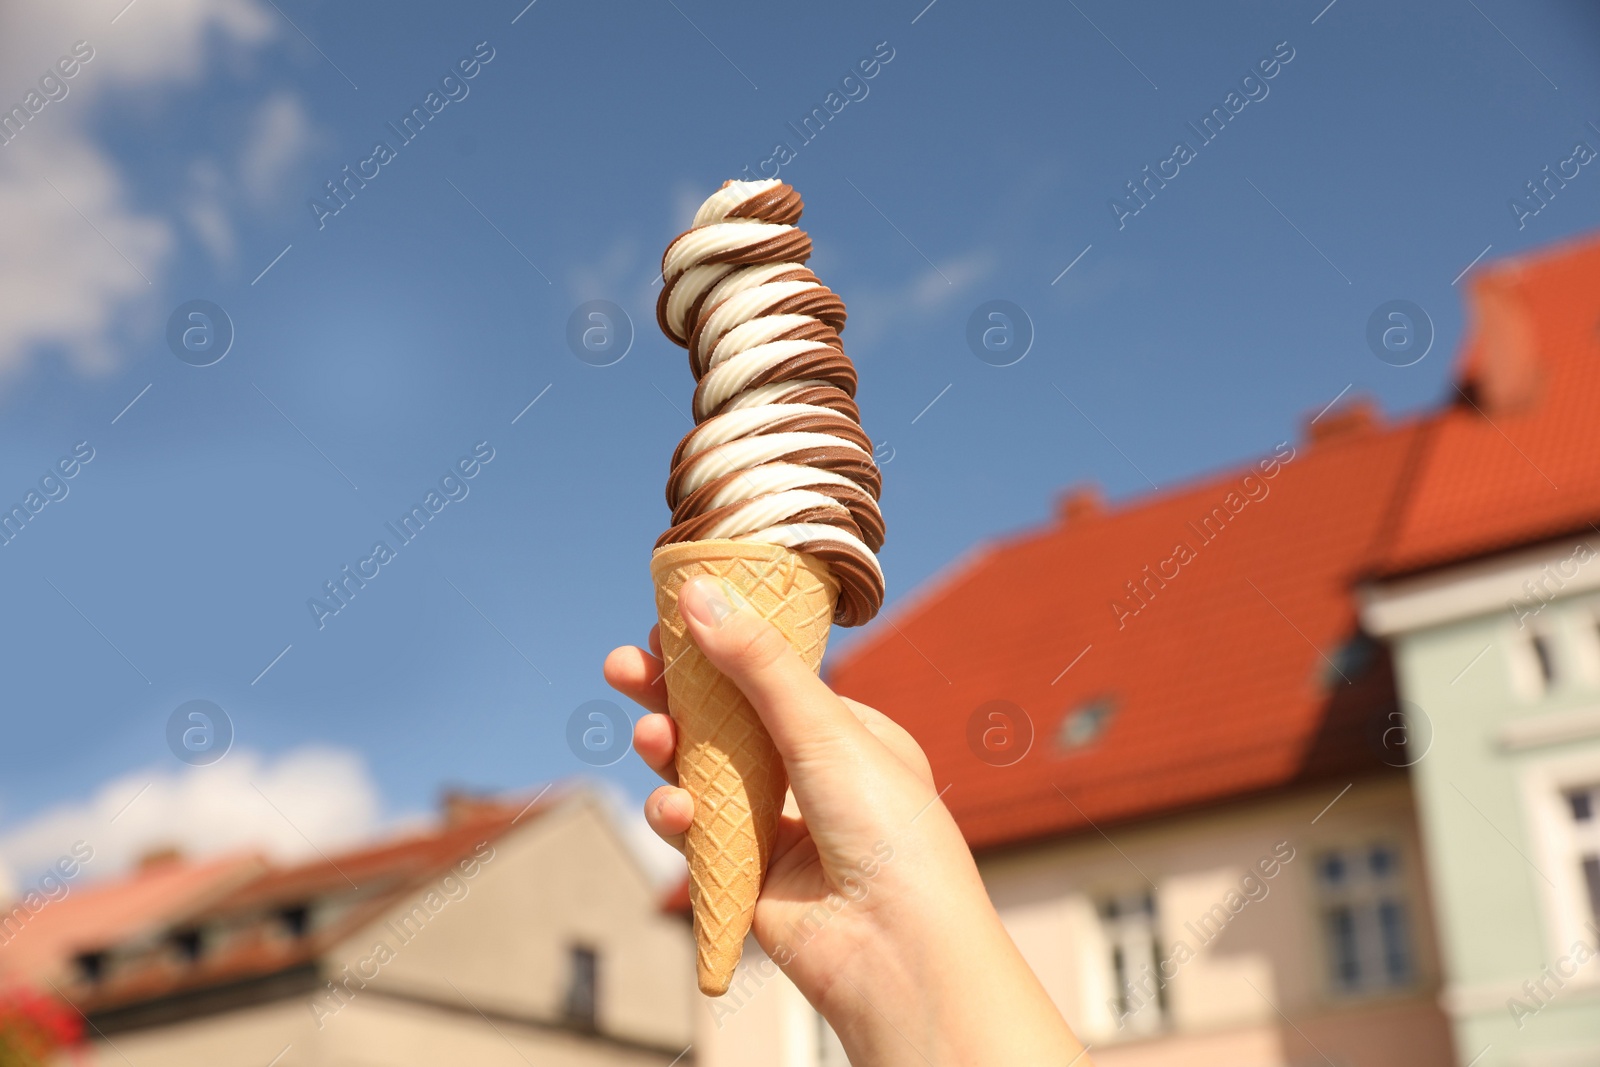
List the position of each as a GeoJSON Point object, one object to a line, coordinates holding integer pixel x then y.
{"type": "Point", "coordinates": [1348, 662]}
{"type": "Point", "coordinates": [188, 944]}
{"type": "Point", "coordinates": [1537, 658]}
{"type": "Point", "coordinates": [1365, 922]}
{"type": "Point", "coordinates": [583, 967]}
{"type": "Point", "coordinates": [1084, 725]}
{"type": "Point", "coordinates": [1583, 804]}
{"type": "Point", "coordinates": [1140, 1001]}
{"type": "Point", "coordinates": [91, 965]}
{"type": "Point", "coordinates": [296, 919]}
{"type": "Point", "coordinates": [1544, 656]}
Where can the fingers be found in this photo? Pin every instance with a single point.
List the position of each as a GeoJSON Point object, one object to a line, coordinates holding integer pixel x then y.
{"type": "Point", "coordinates": [668, 811]}
{"type": "Point", "coordinates": [655, 738]}
{"type": "Point", "coordinates": [804, 717]}
{"type": "Point", "coordinates": [638, 676]}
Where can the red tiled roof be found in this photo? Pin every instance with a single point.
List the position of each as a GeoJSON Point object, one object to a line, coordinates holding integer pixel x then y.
{"type": "Point", "coordinates": [98, 914]}
{"type": "Point", "coordinates": [1520, 461]}
{"type": "Point", "coordinates": [370, 879]}
{"type": "Point", "coordinates": [380, 866]}
{"type": "Point", "coordinates": [1220, 684]}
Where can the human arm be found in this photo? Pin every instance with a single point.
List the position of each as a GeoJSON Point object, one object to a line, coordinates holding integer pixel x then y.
{"type": "Point", "coordinates": [872, 904]}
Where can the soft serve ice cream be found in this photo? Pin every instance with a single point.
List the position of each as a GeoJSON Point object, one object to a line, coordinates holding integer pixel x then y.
{"type": "Point", "coordinates": [778, 455]}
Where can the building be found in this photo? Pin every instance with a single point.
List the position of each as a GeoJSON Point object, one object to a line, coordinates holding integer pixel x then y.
{"type": "Point", "coordinates": [510, 933]}
{"type": "Point", "coordinates": [1490, 596]}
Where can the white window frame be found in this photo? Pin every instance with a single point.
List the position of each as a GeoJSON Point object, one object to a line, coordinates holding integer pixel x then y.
{"type": "Point", "coordinates": [1544, 785]}
{"type": "Point", "coordinates": [1406, 891]}
{"type": "Point", "coordinates": [1585, 617]}
{"type": "Point", "coordinates": [1522, 662]}
{"type": "Point", "coordinates": [1155, 1016]}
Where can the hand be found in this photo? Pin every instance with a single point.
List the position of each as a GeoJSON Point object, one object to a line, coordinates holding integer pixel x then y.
{"type": "Point", "coordinates": [872, 904]}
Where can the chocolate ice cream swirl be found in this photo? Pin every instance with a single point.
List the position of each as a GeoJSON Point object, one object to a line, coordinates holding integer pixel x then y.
{"type": "Point", "coordinates": [777, 454]}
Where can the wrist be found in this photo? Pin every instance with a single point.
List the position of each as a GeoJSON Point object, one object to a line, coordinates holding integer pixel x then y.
{"type": "Point", "coordinates": [934, 973]}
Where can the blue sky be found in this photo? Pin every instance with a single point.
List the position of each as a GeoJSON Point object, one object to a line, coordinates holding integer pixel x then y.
{"type": "Point", "coordinates": [376, 347]}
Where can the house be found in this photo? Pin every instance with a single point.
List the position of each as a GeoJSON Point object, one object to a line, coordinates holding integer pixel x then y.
{"type": "Point", "coordinates": [511, 932]}
{"type": "Point", "coordinates": [1489, 593]}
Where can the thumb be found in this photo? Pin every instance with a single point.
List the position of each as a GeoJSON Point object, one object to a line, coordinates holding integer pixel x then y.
{"type": "Point", "coordinates": [805, 718]}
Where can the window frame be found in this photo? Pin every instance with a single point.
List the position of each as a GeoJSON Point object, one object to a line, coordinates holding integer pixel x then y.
{"type": "Point", "coordinates": [1111, 944]}
{"type": "Point", "coordinates": [1524, 664]}
{"type": "Point", "coordinates": [1405, 892]}
{"type": "Point", "coordinates": [1564, 899]}
{"type": "Point", "coordinates": [588, 1021]}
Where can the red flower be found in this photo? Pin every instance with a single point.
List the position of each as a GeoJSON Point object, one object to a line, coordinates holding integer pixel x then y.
{"type": "Point", "coordinates": [33, 1027]}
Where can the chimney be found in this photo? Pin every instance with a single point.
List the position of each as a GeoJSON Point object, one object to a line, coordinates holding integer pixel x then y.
{"type": "Point", "coordinates": [1349, 420]}
{"type": "Point", "coordinates": [460, 807]}
{"type": "Point", "coordinates": [1080, 503]}
{"type": "Point", "coordinates": [1502, 373]}
{"type": "Point", "coordinates": [158, 856]}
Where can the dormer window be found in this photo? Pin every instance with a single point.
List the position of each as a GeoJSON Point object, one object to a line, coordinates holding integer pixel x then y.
{"type": "Point", "coordinates": [188, 944]}
{"type": "Point", "coordinates": [296, 920]}
{"type": "Point", "coordinates": [91, 966]}
{"type": "Point", "coordinates": [1349, 661]}
{"type": "Point", "coordinates": [1083, 725]}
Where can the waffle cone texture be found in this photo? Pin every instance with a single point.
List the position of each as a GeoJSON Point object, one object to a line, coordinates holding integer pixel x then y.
{"type": "Point", "coordinates": [725, 758]}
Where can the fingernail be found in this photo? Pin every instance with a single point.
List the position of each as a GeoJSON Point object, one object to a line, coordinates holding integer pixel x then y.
{"type": "Point", "coordinates": [706, 599]}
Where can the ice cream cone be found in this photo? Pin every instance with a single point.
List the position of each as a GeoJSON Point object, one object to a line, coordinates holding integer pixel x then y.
{"type": "Point", "coordinates": [725, 758]}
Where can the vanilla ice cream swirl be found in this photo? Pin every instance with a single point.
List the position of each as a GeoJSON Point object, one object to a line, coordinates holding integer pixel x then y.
{"type": "Point", "coordinates": [777, 454]}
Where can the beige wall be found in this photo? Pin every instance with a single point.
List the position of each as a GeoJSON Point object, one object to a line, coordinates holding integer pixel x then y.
{"type": "Point", "coordinates": [375, 1031]}
{"type": "Point", "coordinates": [1228, 1003]}
{"type": "Point", "coordinates": [566, 879]}
{"type": "Point", "coordinates": [1046, 895]}
{"type": "Point", "coordinates": [497, 944]}
{"type": "Point", "coordinates": [249, 1038]}
{"type": "Point", "coordinates": [762, 1019]}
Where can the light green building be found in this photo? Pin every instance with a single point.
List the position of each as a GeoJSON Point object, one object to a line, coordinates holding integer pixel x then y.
{"type": "Point", "coordinates": [1490, 600]}
{"type": "Point", "coordinates": [1502, 703]}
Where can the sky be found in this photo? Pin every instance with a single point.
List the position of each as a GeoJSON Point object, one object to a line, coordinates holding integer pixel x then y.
{"type": "Point", "coordinates": [263, 375]}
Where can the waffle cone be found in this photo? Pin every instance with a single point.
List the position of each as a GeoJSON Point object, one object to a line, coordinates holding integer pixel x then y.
{"type": "Point", "coordinates": [725, 758]}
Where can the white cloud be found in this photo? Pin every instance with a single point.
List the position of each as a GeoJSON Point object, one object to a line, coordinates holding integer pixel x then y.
{"type": "Point", "coordinates": [206, 212]}
{"type": "Point", "coordinates": [308, 799]}
{"type": "Point", "coordinates": [686, 200]}
{"type": "Point", "coordinates": [876, 312]}
{"type": "Point", "coordinates": [617, 270]}
{"type": "Point", "coordinates": [74, 251]}
{"type": "Point", "coordinates": [280, 136]}
{"type": "Point", "coordinates": [71, 281]}
{"type": "Point", "coordinates": [951, 280]}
